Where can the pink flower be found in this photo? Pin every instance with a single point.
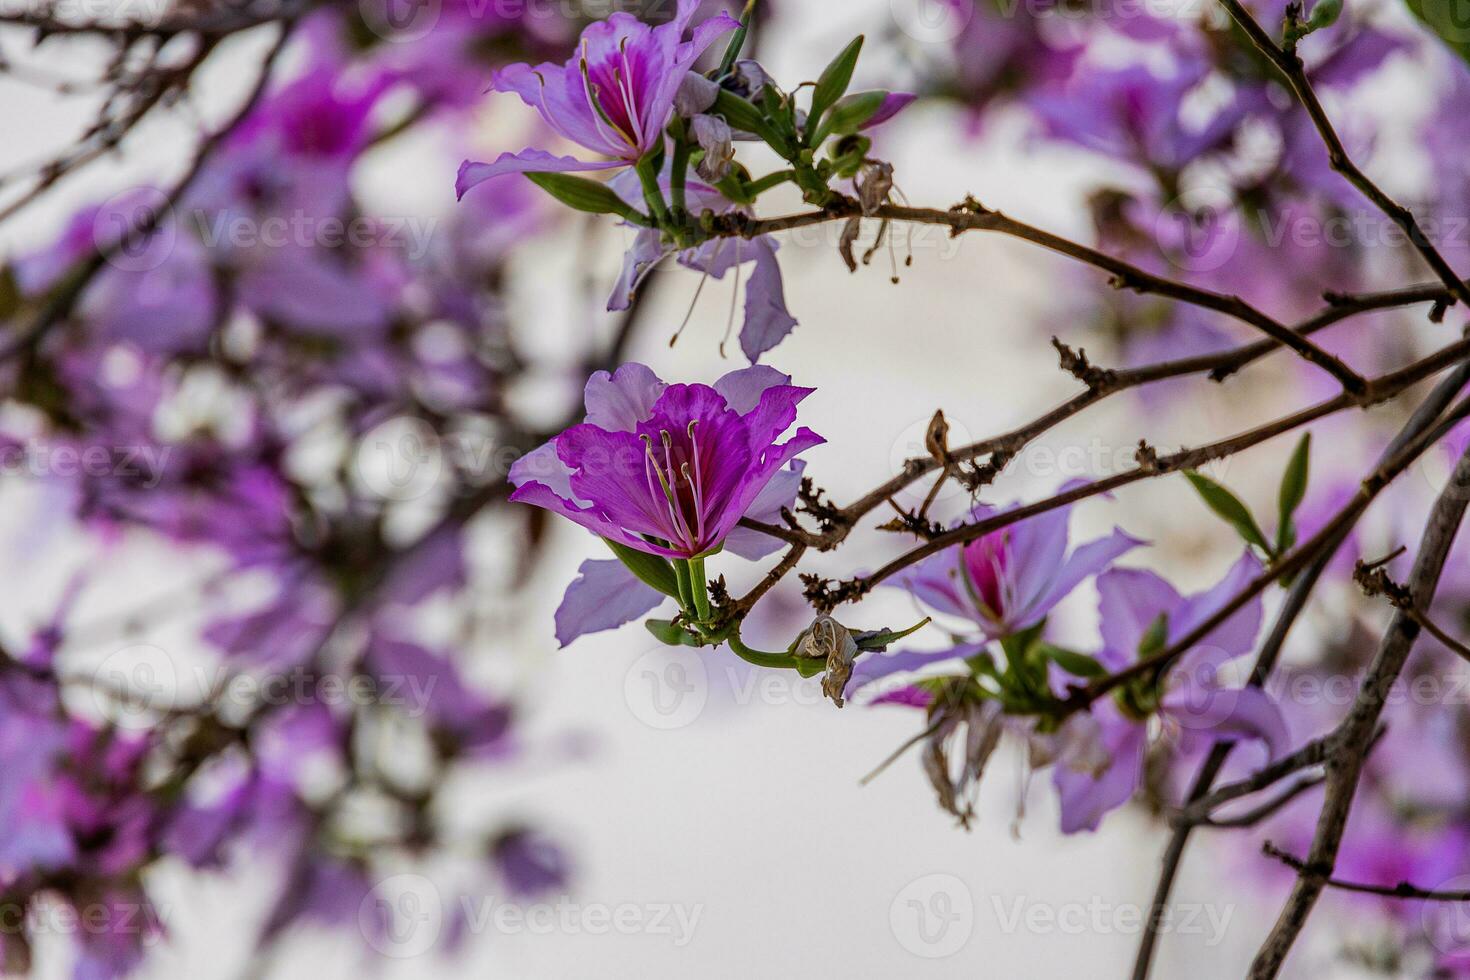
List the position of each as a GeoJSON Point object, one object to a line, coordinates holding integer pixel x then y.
{"type": "Point", "coordinates": [614, 96]}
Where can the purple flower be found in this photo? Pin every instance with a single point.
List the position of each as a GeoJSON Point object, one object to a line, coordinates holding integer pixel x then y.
{"type": "Point", "coordinates": [1100, 755]}
{"type": "Point", "coordinates": [1002, 583]}
{"type": "Point", "coordinates": [667, 469]}
{"type": "Point", "coordinates": [605, 595]}
{"type": "Point", "coordinates": [1008, 580]}
{"type": "Point", "coordinates": [614, 96]}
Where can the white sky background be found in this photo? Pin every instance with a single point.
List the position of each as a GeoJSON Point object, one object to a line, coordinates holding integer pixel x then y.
{"type": "Point", "coordinates": [748, 814]}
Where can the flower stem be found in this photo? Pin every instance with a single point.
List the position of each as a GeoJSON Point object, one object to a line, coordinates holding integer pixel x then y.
{"type": "Point", "coordinates": [699, 589]}
{"type": "Point", "coordinates": [652, 193]}
{"type": "Point", "coordinates": [679, 172]}
{"type": "Point", "coordinates": [806, 667]}
{"type": "Point", "coordinates": [681, 574]}
{"type": "Point", "coordinates": [769, 181]}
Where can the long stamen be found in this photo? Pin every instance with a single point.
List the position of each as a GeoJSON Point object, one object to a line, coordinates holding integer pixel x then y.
{"type": "Point", "coordinates": [599, 114]}
{"type": "Point", "coordinates": [689, 315]}
{"type": "Point", "coordinates": [670, 499]}
{"type": "Point", "coordinates": [625, 86]}
{"type": "Point", "coordinates": [681, 521]}
{"type": "Point", "coordinates": [734, 299]}
{"type": "Point", "coordinates": [698, 482]}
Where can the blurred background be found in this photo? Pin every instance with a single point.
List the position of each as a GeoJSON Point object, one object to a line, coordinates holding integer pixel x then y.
{"type": "Point", "coordinates": [714, 817]}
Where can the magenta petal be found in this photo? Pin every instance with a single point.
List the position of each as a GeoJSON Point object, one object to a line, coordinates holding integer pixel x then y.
{"type": "Point", "coordinates": [1084, 562]}
{"type": "Point", "coordinates": [542, 465]}
{"type": "Point", "coordinates": [1039, 547]}
{"type": "Point", "coordinates": [908, 697]}
{"type": "Point", "coordinates": [893, 104]}
{"type": "Point", "coordinates": [779, 494]}
{"type": "Point", "coordinates": [604, 596]}
{"type": "Point", "coordinates": [472, 173]}
{"type": "Point", "coordinates": [875, 667]}
{"type": "Point", "coordinates": [1237, 635]}
{"type": "Point", "coordinates": [642, 257]}
{"type": "Point", "coordinates": [936, 582]}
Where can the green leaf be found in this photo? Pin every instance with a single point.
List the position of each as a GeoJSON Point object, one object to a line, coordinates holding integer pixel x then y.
{"type": "Point", "coordinates": [1074, 663]}
{"type": "Point", "coordinates": [669, 634]}
{"type": "Point", "coordinates": [1017, 644]}
{"type": "Point", "coordinates": [651, 570]}
{"type": "Point", "coordinates": [1324, 14]}
{"type": "Point", "coordinates": [1293, 491]}
{"type": "Point", "coordinates": [833, 85]}
{"type": "Point", "coordinates": [737, 40]}
{"type": "Point", "coordinates": [1447, 19]}
{"type": "Point", "coordinates": [582, 194]}
{"type": "Point", "coordinates": [1229, 508]}
{"type": "Point", "coordinates": [1155, 638]}
{"type": "Point", "coordinates": [849, 115]}
{"type": "Point", "coordinates": [881, 639]}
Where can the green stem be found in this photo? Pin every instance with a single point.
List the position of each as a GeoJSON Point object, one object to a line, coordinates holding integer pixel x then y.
{"type": "Point", "coordinates": [652, 193]}
{"type": "Point", "coordinates": [679, 179]}
{"type": "Point", "coordinates": [805, 666]}
{"type": "Point", "coordinates": [681, 574]}
{"type": "Point", "coordinates": [699, 589]}
{"type": "Point", "coordinates": [737, 40]}
{"type": "Point", "coordinates": [769, 181]}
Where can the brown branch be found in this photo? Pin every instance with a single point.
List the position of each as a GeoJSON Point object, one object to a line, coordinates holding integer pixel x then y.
{"type": "Point", "coordinates": [1296, 600]}
{"type": "Point", "coordinates": [1355, 732]}
{"type": "Point", "coordinates": [1323, 875]}
{"type": "Point", "coordinates": [1290, 65]}
{"type": "Point", "coordinates": [1271, 807]}
{"type": "Point", "coordinates": [972, 216]}
{"type": "Point", "coordinates": [63, 297]}
{"type": "Point", "coordinates": [1383, 388]}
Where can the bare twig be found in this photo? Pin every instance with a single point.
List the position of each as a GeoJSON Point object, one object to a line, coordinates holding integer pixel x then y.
{"type": "Point", "coordinates": [1355, 732]}
{"type": "Point", "coordinates": [1323, 876]}
{"type": "Point", "coordinates": [1286, 61]}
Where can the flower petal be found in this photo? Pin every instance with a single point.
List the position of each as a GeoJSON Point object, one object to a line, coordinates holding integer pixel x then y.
{"type": "Point", "coordinates": [604, 596]}
{"type": "Point", "coordinates": [1088, 789]}
{"type": "Point", "coordinates": [778, 494]}
{"type": "Point", "coordinates": [875, 667]}
{"type": "Point", "coordinates": [1130, 600]}
{"type": "Point", "coordinates": [767, 321]}
{"type": "Point", "coordinates": [742, 390]}
{"type": "Point", "coordinates": [618, 402]}
{"type": "Point", "coordinates": [1082, 563]}
{"type": "Point", "coordinates": [473, 173]}
{"type": "Point", "coordinates": [1234, 714]}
